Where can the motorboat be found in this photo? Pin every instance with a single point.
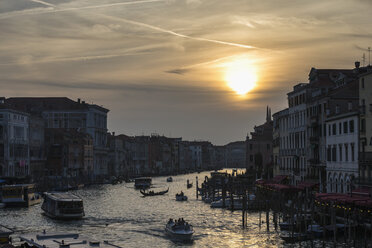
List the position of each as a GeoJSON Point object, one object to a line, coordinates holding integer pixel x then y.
{"type": "Point", "coordinates": [20, 195]}
{"type": "Point", "coordinates": [315, 230]}
{"type": "Point", "coordinates": [179, 230]}
{"type": "Point", "coordinates": [62, 240]}
{"type": "Point", "coordinates": [181, 197]}
{"type": "Point", "coordinates": [58, 205]}
{"type": "Point", "coordinates": [219, 203]}
{"type": "Point", "coordinates": [142, 182]}
{"type": "Point", "coordinates": [294, 237]}
{"type": "Point", "coordinates": [152, 193]}
{"type": "Point", "coordinates": [169, 179]}
{"type": "Point", "coordinates": [5, 233]}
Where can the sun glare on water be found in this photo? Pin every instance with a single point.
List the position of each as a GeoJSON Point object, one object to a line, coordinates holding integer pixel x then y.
{"type": "Point", "coordinates": [241, 76]}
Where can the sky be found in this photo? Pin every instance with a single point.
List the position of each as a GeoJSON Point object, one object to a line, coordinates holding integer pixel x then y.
{"type": "Point", "coordinates": [160, 66]}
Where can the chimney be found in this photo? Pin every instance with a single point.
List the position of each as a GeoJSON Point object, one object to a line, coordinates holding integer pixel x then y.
{"type": "Point", "coordinates": [357, 64]}
{"type": "Point", "coordinates": [113, 133]}
{"type": "Point", "coordinates": [83, 102]}
{"type": "Point", "coordinates": [78, 100]}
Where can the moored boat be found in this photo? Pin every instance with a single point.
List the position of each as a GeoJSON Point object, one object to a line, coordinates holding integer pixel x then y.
{"type": "Point", "coordinates": [295, 237]}
{"type": "Point", "coordinates": [152, 193]}
{"type": "Point", "coordinates": [60, 205]}
{"type": "Point", "coordinates": [142, 182]}
{"type": "Point", "coordinates": [315, 230]}
{"type": "Point", "coordinates": [179, 230]}
{"type": "Point", "coordinates": [20, 195]}
{"type": "Point", "coordinates": [5, 233]}
{"type": "Point", "coordinates": [62, 240]}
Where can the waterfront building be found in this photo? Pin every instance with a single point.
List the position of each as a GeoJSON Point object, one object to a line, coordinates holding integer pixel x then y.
{"type": "Point", "coordinates": [121, 152]}
{"type": "Point", "coordinates": [69, 157]}
{"type": "Point", "coordinates": [280, 136]}
{"type": "Point", "coordinates": [259, 148]}
{"type": "Point", "coordinates": [196, 155]}
{"type": "Point", "coordinates": [37, 148]}
{"type": "Point", "coordinates": [14, 142]}
{"type": "Point", "coordinates": [342, 137]}
{"type": "Point", "coordinates": [221, 157]}
{"type": "Point", "coordinates": [62, 112]}
{"type": "Point", "coordinates": [235, 154]}
{"type": "Point", "coordinates": [365, 141]}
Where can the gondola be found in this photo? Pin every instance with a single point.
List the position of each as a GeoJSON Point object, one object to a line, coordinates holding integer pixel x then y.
{"type": "Point", "coordinates": [152, 193]}
{"type": "Point", "coordinates": [189, 185]}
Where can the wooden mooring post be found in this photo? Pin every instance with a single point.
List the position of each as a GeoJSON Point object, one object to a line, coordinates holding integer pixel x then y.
{"type": "Point", "coordinates": [197, 187]}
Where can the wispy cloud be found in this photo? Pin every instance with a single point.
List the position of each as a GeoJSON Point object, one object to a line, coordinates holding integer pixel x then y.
{"type": "Point", "coordinates": [43, 3]}
{"type": "Point", "coordinates": [39, 11]}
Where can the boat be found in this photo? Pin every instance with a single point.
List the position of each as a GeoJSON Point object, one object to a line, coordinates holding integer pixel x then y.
{"type": "Point", "coordinates": [286, 225]}
{"type": "Point", "coordinates": [20, 195]}
{"type": "Point", "coordinates": [169, 179]}
{"type": "Point", "coordinates": [5, 233]}
{"type": "Point", "coordinates": [142, 182]}
{"type": "Point", "coordinates": [181, 197]}
{"type": "Point", "coordinates": [315, 230]}
{"type": "Point", "coordinates": [58, 205]}
{"type": "Point", "coordinates": [295, 237]}
{"type": "Point", "coordinates": [179, 230]}
{"type": "Point", "coordinates": [152, 193]}
{"type": "Point", "coordinates": [62, 240]}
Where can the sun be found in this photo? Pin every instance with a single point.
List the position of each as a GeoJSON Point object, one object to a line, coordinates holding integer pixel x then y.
{"type": "Point", "coordinates": [241, 76]}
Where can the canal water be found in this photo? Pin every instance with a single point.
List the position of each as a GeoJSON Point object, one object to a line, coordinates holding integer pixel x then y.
{"type": "Point", "coordinates": [120, 214]}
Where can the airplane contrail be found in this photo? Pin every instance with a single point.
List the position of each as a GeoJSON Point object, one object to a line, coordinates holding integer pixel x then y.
{"type": "Point", "coordinates": [49, 10]}
{"type": "Point", "coordinates": [178, 34]}
{"type": "Point", "coordinates": [44, 3]}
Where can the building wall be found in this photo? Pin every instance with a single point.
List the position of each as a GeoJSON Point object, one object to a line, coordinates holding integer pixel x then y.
{"type": "Point", "coordinates": [14, 143]}
{"type": "Point", "coordinates": [342, 153]}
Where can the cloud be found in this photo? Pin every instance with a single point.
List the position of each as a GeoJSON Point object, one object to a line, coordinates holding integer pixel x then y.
{"type": "Point", "coordinates": [43, 3]}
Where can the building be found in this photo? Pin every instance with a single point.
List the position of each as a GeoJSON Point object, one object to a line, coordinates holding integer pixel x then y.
{"type": "Point", "coordinates": [235, 154]}
{"type": "Point", "coordinates": [280, 136]}
{"type": "Point", "coordinates": [14, 142]}
{"type": "Point", "coordinates": [259, 149]}
{"type": "Point", "coordinates": [37, 148]}
{"type": "Point", "coordinates": [62, 112]}
{"type": "Point", "coordinates": [121, 153]}
{"type": "Point", "coordinates": [365, 141]}
{"type": "Point", "coordinates": [342, 137]}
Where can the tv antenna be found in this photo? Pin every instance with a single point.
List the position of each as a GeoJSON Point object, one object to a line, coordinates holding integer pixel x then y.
{"type": "Point", "coordinates": [364, 59]}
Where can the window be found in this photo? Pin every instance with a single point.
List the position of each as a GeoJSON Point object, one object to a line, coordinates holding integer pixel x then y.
{"type": "Point", "coordinates": [345, 127]}
{"type": "Point", "coordinates": [337, 109]}
{"type": "Point", "coordinates": [268, 146]}
{"type": "Point", "coordinates": [352, 152]}
{"type": "Point", "coordinates": [250, 147]}
{"type": "Point", "coordinates": [346, 152]}
{"type": "Point", "coordinates": [334, 153]}
{"type": "Point", "coordinates": [339, 128]}
{"type": "Point", "coordinates": [340, 152]}
{"type": "Point", "coordinates": [329, 130]}
{"type": "Point", "coordinates": [350, 106]}
{"type": "Point", "coordinates": [251, 158]}
{"type": "Point", "coordinates": [334, 129]}
{"type": "Point", "coordinates": [362, 83]}
{"type": "Point", "coordinates": [351, 126]}
{"type": "Point", "coordinates": [362, 125]}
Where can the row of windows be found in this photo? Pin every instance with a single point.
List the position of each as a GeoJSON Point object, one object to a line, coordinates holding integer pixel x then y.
{"type": "Point", "coordinates": [340, 152]}
{"type": "Point", "coordinates": [342, 128]}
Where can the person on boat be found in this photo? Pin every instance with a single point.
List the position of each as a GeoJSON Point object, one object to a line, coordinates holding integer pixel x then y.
{"type": "Point", "coordinates": [181, 193]}
{"type": "Point", "coordinates": [170, 221]}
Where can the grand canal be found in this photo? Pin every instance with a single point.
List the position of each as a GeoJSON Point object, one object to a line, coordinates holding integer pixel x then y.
{"type": "Point", "coordinates": [120, 214]}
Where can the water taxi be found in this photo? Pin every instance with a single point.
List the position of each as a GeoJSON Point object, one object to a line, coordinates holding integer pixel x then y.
{"type": "Point", "coordinates": [179, 230]}
{"type": "Point", "coordinates": [62, 240]}
{"type": "Point", "coordinates": [20, 195]}
{"type": "Point", "coordinates": [142, 182]}
{"type": "Point", "coordinates": [60, 205]}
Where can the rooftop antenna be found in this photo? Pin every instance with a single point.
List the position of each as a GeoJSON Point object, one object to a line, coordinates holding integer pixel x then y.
{"type": "Point", "coordinates": [364, 59]}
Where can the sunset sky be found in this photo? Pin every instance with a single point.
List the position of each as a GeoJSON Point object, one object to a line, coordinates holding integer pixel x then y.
{"type": "Point", "coordinates": [161, 66]}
